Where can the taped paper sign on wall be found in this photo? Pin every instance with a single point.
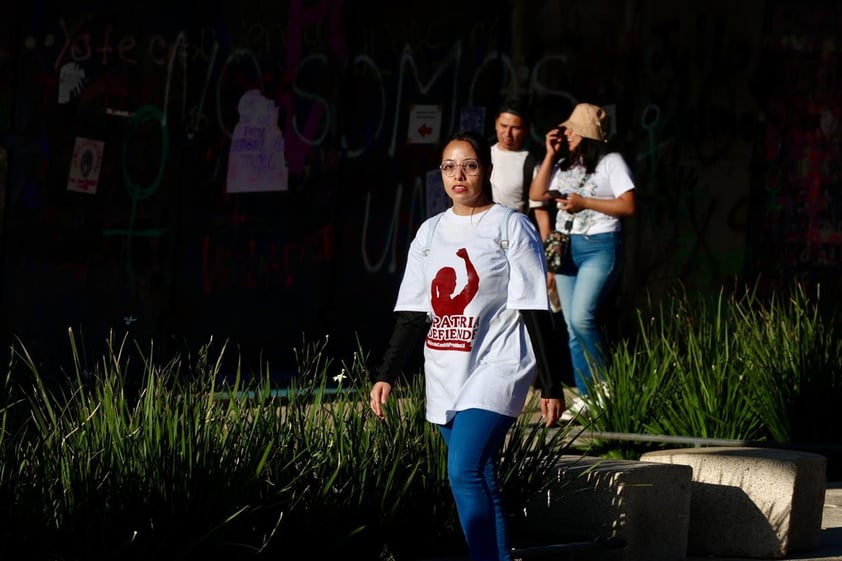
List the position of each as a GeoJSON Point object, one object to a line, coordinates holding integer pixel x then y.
{"type": "Point", "coordinates": [256, 161]}
{"type": "Point", "coordinates": [85, 165]}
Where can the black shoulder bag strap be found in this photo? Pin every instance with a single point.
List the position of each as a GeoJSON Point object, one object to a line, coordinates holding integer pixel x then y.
{"type": "Point", "coordinates": [568, 224]}
{"type": "Point", "coordinates": [528, 171]}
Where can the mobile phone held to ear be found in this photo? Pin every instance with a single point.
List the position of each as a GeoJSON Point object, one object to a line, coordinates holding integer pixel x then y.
{"type": "Point", "coordinates": [556, 194]}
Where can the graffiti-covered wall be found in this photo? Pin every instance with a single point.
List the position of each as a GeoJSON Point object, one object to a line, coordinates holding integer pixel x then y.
{"type": "Point", "coordinates": [797, 221]}
{"type": "Point", "coordinates": [254, 171]}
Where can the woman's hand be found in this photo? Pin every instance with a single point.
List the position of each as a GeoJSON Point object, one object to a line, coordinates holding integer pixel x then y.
{"type": "Point", "coordinates": [379, 395]}
{"type": "Point", "coordinates": [552, 142]}
{"type": "Point", "coordinates": [541, 181]}
{"type": "Point", "coordinates": [624, 205]}
{"type": "Point", "coordinates": [572, 203]}
{"type": "Point", "coordinates": [551, 409]}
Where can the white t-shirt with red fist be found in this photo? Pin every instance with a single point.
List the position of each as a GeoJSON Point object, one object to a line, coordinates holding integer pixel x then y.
{"type": "Point", "coordinates": [477, 352]}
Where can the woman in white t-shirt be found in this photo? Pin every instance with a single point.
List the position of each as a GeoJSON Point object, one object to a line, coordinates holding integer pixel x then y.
{"type": "Point", "coordinates": [480, 308]}
{"type": "Point", "coordinates": [597, 190]}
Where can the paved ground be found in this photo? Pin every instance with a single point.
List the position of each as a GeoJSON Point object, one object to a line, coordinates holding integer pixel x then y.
{"type": "Point", "coordinates": [830, 540]}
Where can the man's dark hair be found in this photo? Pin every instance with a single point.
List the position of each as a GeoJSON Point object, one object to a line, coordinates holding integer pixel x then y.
{"type": "Point", "coordinates": [515, 106]}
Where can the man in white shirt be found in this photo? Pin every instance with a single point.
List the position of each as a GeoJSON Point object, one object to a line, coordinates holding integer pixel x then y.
{"type": "Point", "coordinates": [515, 166]}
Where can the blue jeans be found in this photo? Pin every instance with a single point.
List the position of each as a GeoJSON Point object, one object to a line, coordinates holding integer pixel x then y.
{"type": "Point", "coordinates": [586, 277]}
{"type": "Point", "coordinates": [473, 439]}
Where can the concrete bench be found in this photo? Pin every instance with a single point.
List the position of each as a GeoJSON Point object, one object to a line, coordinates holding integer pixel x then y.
{"type": "Point", "coordinates": [645, 505]}
{"type": "Point", "coordinates": [751, 502]}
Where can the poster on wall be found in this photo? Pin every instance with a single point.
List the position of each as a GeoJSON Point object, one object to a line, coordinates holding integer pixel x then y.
{"type": "Point", "coordinates": [85, 165]}
{"type": "Point", "coordinates": [256, 161]}
{"type": "Point", "coordinates": [71, 82]}
{"type": "Point", "coordinates": [424, 124]}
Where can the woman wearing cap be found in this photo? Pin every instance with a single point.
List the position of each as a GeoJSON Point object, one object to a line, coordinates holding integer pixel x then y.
{"type": "Point", "coordinates": [598, 190]}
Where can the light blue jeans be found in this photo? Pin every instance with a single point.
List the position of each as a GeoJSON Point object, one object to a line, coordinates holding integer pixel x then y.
{"type": "Point", "coordinates": [473, 439]}
{"type": "Point", "coordinates": [585, 279]}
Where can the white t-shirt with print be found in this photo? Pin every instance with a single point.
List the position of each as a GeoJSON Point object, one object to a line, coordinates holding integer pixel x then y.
{"type": "Point", "coordinates": [507, 178]}
{"type": "Point", "coordinates": [477, 352]}
{"type": "Point", "coordinates": [611, 178]}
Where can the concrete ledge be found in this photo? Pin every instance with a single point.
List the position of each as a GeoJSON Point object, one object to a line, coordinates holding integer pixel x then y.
{"type": "Point", "coordinates": [751, 502]}
{"type": "Point", "coordinates": [646, 504]}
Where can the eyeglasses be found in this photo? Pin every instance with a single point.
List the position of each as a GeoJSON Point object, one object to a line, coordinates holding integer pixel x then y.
{"type": "Point", "coordinates": [470, 167]}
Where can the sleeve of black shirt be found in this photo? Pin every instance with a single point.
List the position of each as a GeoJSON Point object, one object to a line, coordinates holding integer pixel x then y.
{"type": "Point", "coordinates": [539, 325]}
{"type": "Point", "coordinates": [408, 333]}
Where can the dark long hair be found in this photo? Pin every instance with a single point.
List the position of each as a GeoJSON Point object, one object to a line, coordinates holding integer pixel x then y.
{"type": "Point", "coordinates": [588, 153]}
{"type": "Point", "coordinates": [483, 150]}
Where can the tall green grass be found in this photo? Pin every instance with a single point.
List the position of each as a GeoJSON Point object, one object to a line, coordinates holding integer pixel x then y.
{"type": "Point", "coordinates": [141, 457]}
{"type": "Point", "coordinates": [733, 367]}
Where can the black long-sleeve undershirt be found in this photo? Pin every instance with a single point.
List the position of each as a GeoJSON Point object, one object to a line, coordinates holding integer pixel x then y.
{"type": "Point", "coordinates": [539, 325]}
{"type": "Point", "coordinates": [407, 335]}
